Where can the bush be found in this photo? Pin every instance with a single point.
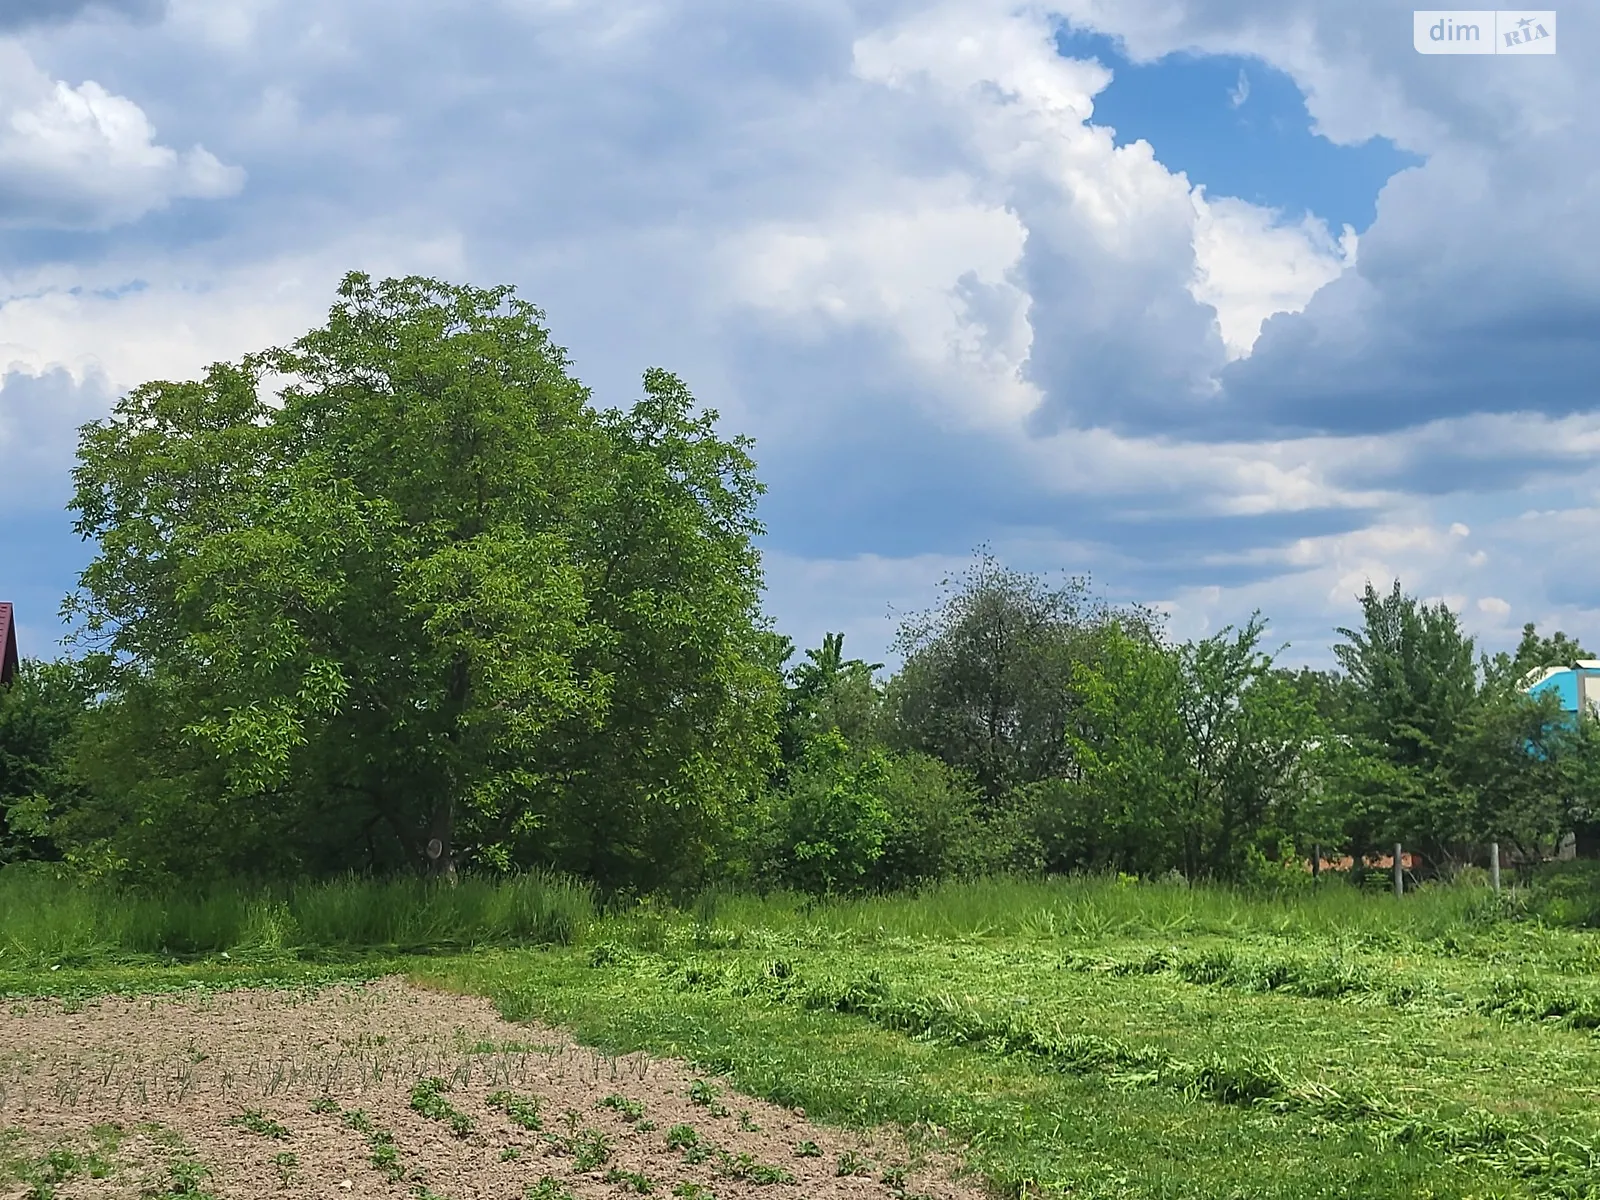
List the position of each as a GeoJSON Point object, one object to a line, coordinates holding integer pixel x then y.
{"type": "Point", "coordinates": [1567, 894]}
{"type": "Point", "coordinates": [825, 830]}
{"type": "Point", "coordinates": [932, 830]}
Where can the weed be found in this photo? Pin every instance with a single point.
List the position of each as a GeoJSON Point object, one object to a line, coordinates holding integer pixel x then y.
{"type": "Point", "coordinates": [186, 1177]}
{"type": "Point", "coordinates": [631, 1181]}
{"type": "Point", "coordinates": [510, 1154]}
{"type": "Point", "coordinates": [808, 1150]}
{"type": "Point", "coordinates": [324, 1104]}
{"type": "Point", "coordinates": [258, 1122]}
{"type": "Point", "coordinates": [286, 1164]}
{"type": "Point", "coordinates": [548, 1189]}
{"type": "Point", "coordinates": [851, 1163]}
{"type": "Point", "coordinates": [590, 1150]}
{"type": "Point", "coordinates": [745, 1166]}
{"type": "Point", "coordinates": [747, 1123]}
{"type": "Point", "coordinates": [692, 1191]}
{"type": "Point", "coordinates": [682, 1137]}
{"type": "Point", "coordinates": [385, 1155]}
{"type": "Point", "coordinates": [427, 1098]}
{"type": "Point", "coordinates": [357, 1119]}
{"type": "Point", "coordinates": [629, 1110]}
{"type": "Point", "coordinates": [522, 1110]}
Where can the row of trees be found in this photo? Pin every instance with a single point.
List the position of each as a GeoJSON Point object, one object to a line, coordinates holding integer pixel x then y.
{"type": "Point", "coordinates": [1082, 738]}
{"type": "Point", "coordinates": [424, 605]}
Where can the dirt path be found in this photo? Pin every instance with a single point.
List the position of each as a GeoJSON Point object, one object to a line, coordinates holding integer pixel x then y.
{"type": "Point", "coordinates": [387, 1090]}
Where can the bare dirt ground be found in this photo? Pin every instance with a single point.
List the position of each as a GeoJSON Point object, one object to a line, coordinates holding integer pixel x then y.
{"type": "Point", "coordinates": [387, 1090]}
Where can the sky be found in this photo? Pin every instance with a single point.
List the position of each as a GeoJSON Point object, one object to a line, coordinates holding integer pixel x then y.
{"type": "Point", "coordinates": [1233, 305]}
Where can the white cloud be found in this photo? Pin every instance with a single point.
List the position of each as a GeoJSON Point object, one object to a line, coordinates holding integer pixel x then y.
{"type": "Point", "coordinates": [1249, 266]}
{"type": "Point", "coordinates": [71, 341]}
{"type": "Point", "coordinates": [938, 273]}
{"type": "Point", "coordinates": [842, 176]}
{"type": "Point", "coordinates": [83, 158]}
{"type": "Point", "coordinates": [132, 322]}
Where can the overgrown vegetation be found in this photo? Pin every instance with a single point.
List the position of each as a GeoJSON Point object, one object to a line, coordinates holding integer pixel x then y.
{"type": "Point", "coordinates": [420, 606]}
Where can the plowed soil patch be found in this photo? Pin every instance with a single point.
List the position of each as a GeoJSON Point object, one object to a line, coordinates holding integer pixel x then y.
{"type": "Point", "coordinates": [387, 1090]}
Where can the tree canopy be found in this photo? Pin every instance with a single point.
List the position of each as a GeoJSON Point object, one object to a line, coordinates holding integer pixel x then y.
{"type": "Point", "coordinates": [427, 594]}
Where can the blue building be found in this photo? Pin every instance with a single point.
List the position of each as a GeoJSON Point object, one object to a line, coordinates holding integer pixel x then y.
{"type": "Point", "coordinates": [1577, 687]}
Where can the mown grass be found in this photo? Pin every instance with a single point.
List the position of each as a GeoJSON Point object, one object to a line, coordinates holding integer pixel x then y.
{"type": "Point", "coordinates": [1032, 1128]}
{"type": "Point", "coordinates": [1093, 1039]}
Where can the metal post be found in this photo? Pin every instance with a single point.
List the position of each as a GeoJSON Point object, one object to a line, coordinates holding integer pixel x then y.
{"type": "Point", "coordinates": [1399, 873]}
{"type": "Point", "coordinates": [1494, 864]}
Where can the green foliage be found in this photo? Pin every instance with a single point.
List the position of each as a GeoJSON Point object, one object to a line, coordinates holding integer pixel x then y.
{"type": "Point", "coordinates": [45, 920]}
{"type": "Point", "coordinates": [1567, 894]}
{"type": "Point", "coordinates": [829, 693]}
{"type": "Point", "coordinates": [1196, 759]}
{"type": "Point", "coordinates": [987, 684]}
{"type": "Point", "coordinates": [523, 1111]}
{"type": "Point", "coordinates": [629, 1110]}
{"type": "Point", "coordinates": [40, 714]}
{"type": "Point", "coordinates": [1413, 687]}
{"type": "Point", "coordinates": [427, 1098]}
{"type": "Point", "coordinates": [431, 597]}
{"type": "Point", "coordinates": [257, 1122]}
{"type": "Point", "coordinates": [829, 823]}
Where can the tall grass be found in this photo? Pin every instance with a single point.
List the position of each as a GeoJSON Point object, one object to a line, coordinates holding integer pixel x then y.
{"type": "Point", "coordinates": [1089, 907]}
{"type": "Point", "coordinates": [45, 920]}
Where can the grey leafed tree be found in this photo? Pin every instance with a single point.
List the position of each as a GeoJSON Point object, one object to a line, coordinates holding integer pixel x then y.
{"type": "Point", "coordinates": [425, 601]}
{"type": "Point", "coordinates": [987, 680]}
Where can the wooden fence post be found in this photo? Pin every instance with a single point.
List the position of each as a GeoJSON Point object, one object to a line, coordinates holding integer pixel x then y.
{"type": "Point", "coordinates": [1399, 872]}
{"type": "Point", "coordinates": [1494, 864]}
{"type": "Point", "coordinates": [1316, 862]}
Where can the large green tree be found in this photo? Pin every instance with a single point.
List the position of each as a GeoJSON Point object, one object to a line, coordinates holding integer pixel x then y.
{"type": "Point", "coordinates": [1413, 689]}
{"type": "Point", "coordinates": [428, 600]}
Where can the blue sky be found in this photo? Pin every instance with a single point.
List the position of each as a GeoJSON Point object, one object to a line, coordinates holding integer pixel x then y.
{"type": "Point", "coordinates": [1231, 304]}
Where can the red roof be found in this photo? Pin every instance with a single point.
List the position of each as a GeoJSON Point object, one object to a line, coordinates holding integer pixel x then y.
{"type": "Point", "coordinates": [8, 645]}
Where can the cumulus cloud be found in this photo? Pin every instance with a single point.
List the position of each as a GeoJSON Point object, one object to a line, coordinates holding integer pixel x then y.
{"type": "Point", "coordinates": [1476, 278]}
{"type": "Point", "coordinates": [894, 241]}
{"type": "Point", "coordinates": [936, 272]}
{"type": "Point", "coordinates": [1250, 265]}
{"type": "Point", "coordinates": [1139, 285]}
{"type": "Point", "coordinates": [83, 158]}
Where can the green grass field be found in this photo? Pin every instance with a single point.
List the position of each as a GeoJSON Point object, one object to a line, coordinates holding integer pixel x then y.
{"type": "Point", "coordinates": [1077, 1038]}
